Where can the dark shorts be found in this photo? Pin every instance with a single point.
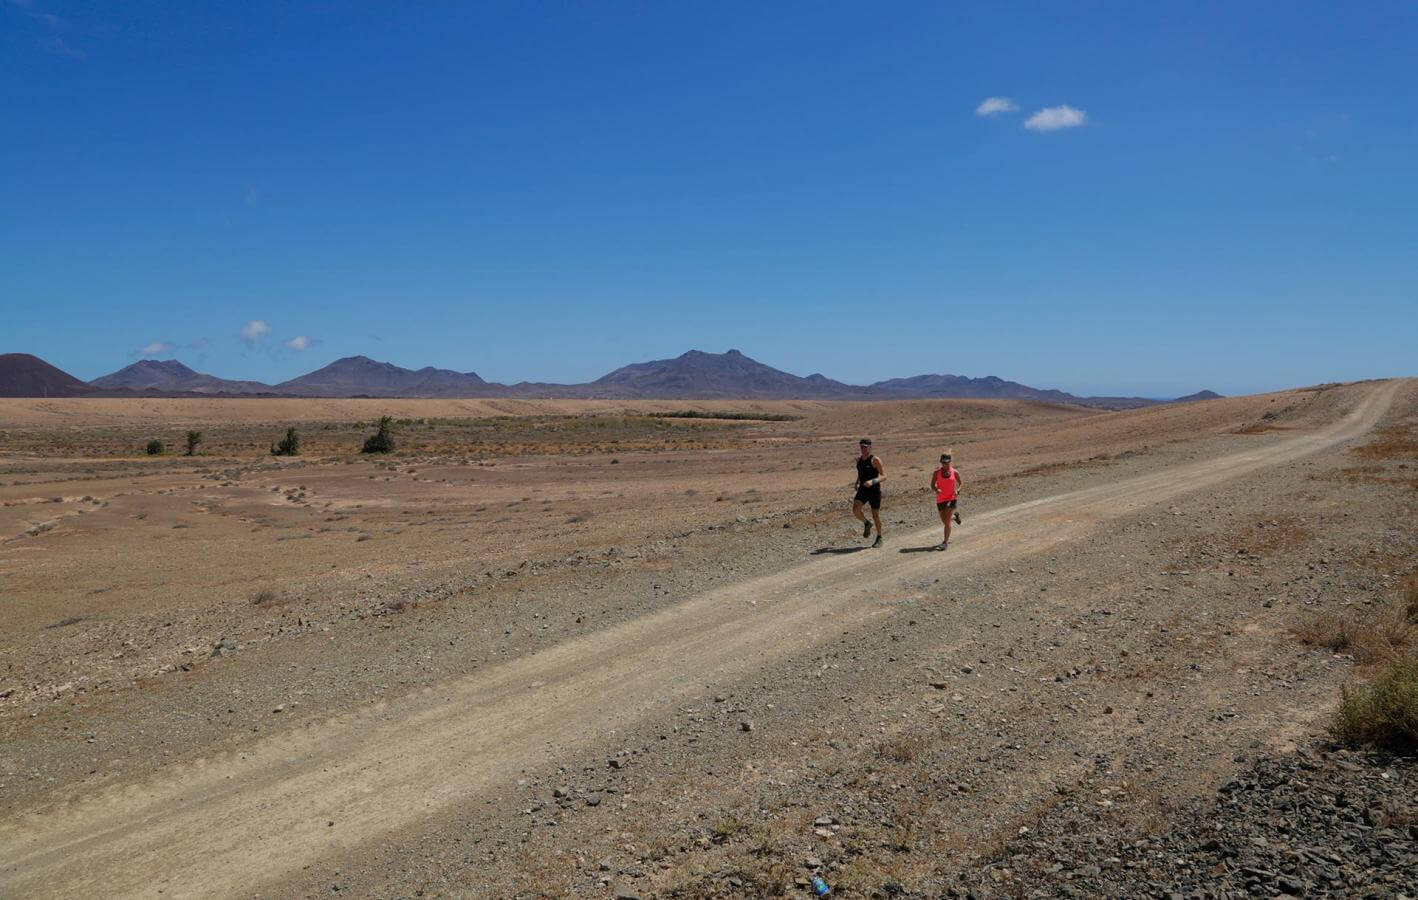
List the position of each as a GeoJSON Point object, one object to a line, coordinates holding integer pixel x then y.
{"type": "Point", "coordinates": [870, 495]}
{"type": "Point", "coordinates": [948, 504]}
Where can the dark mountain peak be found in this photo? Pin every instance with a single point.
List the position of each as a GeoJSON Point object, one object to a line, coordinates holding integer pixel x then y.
{"type": "Point", "coordinates": [26, 375]}
{"type": "Point", "coordinates": [1199, 395]}
{"type": "Point", "coordinates": [696, 373]}
{"type": "Point", "coordinates": [170, 366]}
{"type": "Point", "coordinates": [146, 373]}
{"type": "Point", "coordinates": [171, 375]}
{"type": "Point", "coordinates": [360, 375]}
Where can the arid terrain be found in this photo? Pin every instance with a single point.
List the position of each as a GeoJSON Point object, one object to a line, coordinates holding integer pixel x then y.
{"type": "Point", "coordinates": [640, 649]}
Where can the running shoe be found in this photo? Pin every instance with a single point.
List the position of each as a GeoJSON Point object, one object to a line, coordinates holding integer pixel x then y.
{"type": "Point", "coordinates": [957, 518]}
{"type": "Point", "coordinates": [877, 542]}
{"type": "Point", "coordinates": [866, 528]}
{"type": "Point", "coordinates": [942, 545]}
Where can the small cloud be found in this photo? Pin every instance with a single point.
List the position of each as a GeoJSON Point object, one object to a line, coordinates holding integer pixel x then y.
{"type": "Point", "coordinates": [156, 348]}
{"type": "Point", "coordinates": [253, 331]}
{"type": "Point", "coordinates": [59, 48]}
{"type": "Point", "coordinates": [299, 342]}
{"type": "Point", "coordinates": [1056, 117]}
{"type": "Point", "coordinates": [993, 106]}
{"type": "Point", "coordinates": [251, 196]}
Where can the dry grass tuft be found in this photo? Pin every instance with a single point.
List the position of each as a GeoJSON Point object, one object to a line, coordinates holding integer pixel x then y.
{"type": "Point", "coordinates": [1383, 713]}
{"type": "Point", "coordinates": [1385, 635]}
{"type": "Point", "coordinates": [902, 748]}
{"type": "Point", "coordinates": [1329, 631]}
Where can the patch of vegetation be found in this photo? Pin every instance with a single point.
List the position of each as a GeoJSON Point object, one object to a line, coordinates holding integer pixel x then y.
{"type": "Point", "coordinates": [380, 441]}
{"type": "Point", "coordinates": [156, 448]}
{"type": "Point", "coordinates": [737, 416]}
{"type": "Point", "coordinates": [288, 445]}
{"type": "Point", "coordinates": [902, 748]}
{"type": "Point", "coordinates": [193, 439]}
{"type": "Point", "coordinates": [1383, 713]}
{"type": "Point", "coordinates": [1380, 635]}
{"type": "Point", "coordinates": [264, 598]}
{"type": "Point", "coordinates": [1394, 442]}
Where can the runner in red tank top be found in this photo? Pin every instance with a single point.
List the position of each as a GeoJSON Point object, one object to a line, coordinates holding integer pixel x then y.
{"type": "Point", "coordinates": [946, 483]}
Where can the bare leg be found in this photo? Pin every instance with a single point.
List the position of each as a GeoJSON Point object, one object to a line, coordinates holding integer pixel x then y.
{"type": "Point", "coordinates": [857, 511]}
{"type": "Point", "coordinates": [876, 518]}
{"type": "Point", "coordinates": [945, 520]}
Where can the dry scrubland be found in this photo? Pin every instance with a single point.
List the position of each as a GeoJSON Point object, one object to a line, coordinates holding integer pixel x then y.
{"type": "Point", "coordinates": [582, 647]}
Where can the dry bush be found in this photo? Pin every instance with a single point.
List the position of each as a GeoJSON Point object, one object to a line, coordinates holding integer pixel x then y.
{"type": "Point", "coordinates": [1381, 634]}
{"type": "Point", "coordinates": [1383, 713]}
{"type": "Point", "coordinates": [264, 598]}
{"type": "Point", "coordinates": [1333, 633]}
{"type": "Point", "coordinates": [902, 748]}
{"type": "Point", "coordinates": [726, 828]}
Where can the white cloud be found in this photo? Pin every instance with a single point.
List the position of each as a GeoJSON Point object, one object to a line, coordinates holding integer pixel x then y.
{"type": "Point", "coordinates": [253, 331]}
{"type": "Point", "coordinates": [299, 342]}
{"type": "Point", "coordinates": [156, 348]}
{"type": "Point", "coordinates": [1056, 117]}
{"type": "Point", "coordinates": [993, 106]}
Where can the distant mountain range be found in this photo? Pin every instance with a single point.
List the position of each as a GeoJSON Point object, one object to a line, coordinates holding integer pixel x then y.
{"type": "Point", "coordinates": [692, 375]}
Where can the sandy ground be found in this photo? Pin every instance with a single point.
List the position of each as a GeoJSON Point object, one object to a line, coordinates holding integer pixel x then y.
{"type": "Point", "coordinates": [489, 674]}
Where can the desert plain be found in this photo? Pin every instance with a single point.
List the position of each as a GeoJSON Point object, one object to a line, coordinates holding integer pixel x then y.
{"type": "Point", "coordinates": [640, 649]}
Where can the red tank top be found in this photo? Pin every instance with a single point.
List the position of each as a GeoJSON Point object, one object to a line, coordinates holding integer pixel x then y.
{"type": "Point", "coordinates": [944, 487]}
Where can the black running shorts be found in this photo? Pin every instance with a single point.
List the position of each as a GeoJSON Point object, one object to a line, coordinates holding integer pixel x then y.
{"type": "Point", "coordinates": [870, 495]}
{"type": "Point", "coordinates": [946, 504]}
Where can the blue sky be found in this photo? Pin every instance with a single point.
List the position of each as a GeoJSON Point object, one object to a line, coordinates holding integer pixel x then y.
{"type": "Point", "coordinates": [1163, 197]}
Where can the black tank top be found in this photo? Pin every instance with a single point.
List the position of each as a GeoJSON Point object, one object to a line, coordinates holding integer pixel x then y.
{"type": "Point", "coordinates": [865, 470]}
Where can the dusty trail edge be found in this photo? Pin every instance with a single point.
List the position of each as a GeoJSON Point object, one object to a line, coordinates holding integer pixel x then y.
{"type": "Point", "coordinates": [228, 823]}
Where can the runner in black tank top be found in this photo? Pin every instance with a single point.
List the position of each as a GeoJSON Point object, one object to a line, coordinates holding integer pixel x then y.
{"type": "Point", "coordinates": [870, 474]}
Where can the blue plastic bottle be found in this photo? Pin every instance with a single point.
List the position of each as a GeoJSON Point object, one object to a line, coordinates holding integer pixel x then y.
{"type": "Point", "coordinates": [819, 887]}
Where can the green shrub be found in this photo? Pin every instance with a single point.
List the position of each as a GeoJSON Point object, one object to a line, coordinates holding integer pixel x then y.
{"type": "Point", "coordinates": [155, 448]}
{"type": "Point", "coordinates": [288, 445]}
{"type": "Point", "coordinates": [1383, 713]}
{"type": "Point", "coordinates": [380, 441]}
{"type": "Point", "coordinates": [193, 439]}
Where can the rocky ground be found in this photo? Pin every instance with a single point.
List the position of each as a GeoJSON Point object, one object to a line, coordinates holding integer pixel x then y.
{"type": "Point", "coordinates": [1096, 693]}
{"type": "Point", "coordinates": [1322, 821]}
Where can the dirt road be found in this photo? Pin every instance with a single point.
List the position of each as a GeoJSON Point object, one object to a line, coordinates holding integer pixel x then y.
{"type": "Point", "coordinates": [230, 823]}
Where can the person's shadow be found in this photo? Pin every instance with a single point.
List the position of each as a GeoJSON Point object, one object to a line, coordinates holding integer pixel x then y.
{"type": "Point", "coordinates": [930, 549]}
{"type": "Point", "coordinates": [837, 551]}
